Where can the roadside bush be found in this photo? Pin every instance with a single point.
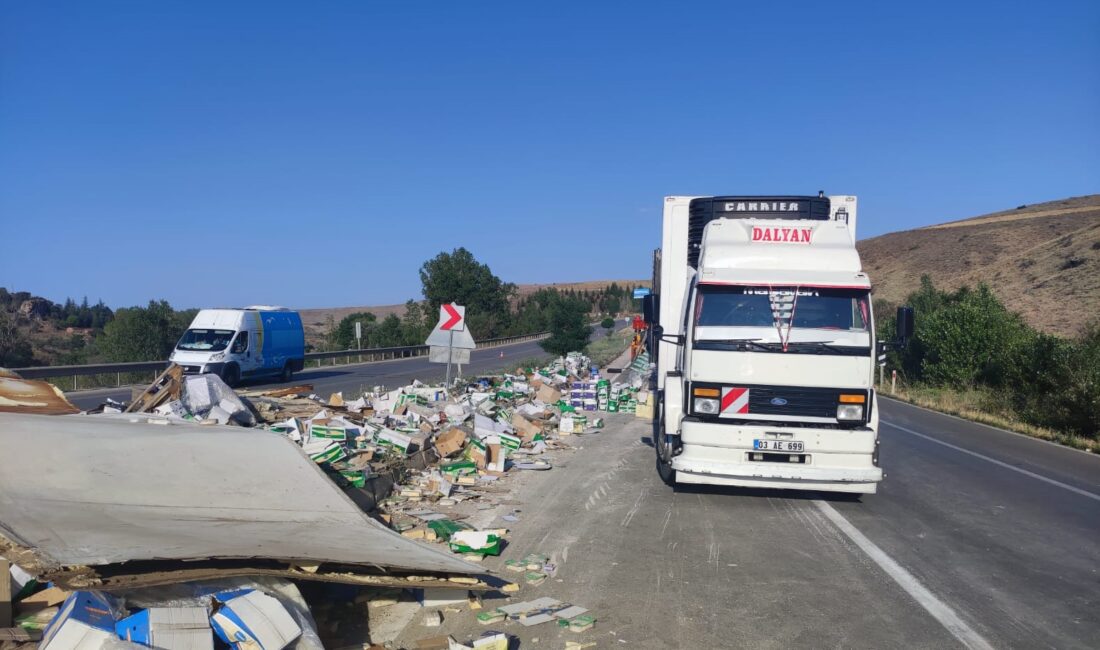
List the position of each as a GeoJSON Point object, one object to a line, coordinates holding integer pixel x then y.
{"type": "Point", "coordinates": [961, 338]}
{"type": "Point", "coordinates": [968, 340]}
{"type": "Point", "coordinates": [1056, 383]}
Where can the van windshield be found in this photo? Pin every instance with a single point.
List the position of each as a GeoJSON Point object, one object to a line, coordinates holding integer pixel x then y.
{"type": "Point", "coordinates": [205, 340]}
{"type": "Point", "coordinates": [831, 309]}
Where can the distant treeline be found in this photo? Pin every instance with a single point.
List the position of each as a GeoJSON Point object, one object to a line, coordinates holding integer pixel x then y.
{"type": "Point", "coordinates": [968, 339]}
{"type": "Point", "coordinates": [33, 330]}
{"type": "Point", "coordinates": [492, 308]}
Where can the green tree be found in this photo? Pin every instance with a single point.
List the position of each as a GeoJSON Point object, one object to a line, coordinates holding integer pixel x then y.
{"type": "Point", "coordinates": [608, 324]}
{"type": "Point", "coordinates": [142, 333]}
{"type": "Point", "coordinates": [569, 329]}
{"type": "Point", "coordinates": [15, 348]}
{"type": "Point", "coordinates": [458, 277]}
{"type": "Point", "coordinates": [387, 334]}
{"type": "Point", "coordinates": [963, 339]}
{"type": "Point", "coordinates": [342, 336]}
{"type": "Point", "coordinates": [414, 324]}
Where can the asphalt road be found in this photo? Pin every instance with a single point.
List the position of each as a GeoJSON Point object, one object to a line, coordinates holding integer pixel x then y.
{"type": "Point", "coordinates": [977, 538]}
{"type": "Point", "coordinates": [355, 378]}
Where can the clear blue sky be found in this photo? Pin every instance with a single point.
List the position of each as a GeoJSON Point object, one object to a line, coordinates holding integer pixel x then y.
{"type": "Point", "coordinates": [315, 154]}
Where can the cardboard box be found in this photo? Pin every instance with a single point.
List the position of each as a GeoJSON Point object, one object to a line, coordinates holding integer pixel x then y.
{"type": "Point", "coordinates": [325, 430]}
{"type": "Point", "coordinates": [438, 596]}
{"type": "Point", "coordinates": [252, 620]}
{"type": "Point", "coordinates": [86, 622]}
{"type": "Point", "coordinates": [169, 628]}
{"type": "Point", "coordinates": [393, 440]}
{"type": "Point", "coordinates": [49, 597]}
{"type": "Point", "coordinates": [525, 428]}
{"type": "Point", "coordinates": [324, 451]}
{"type": "Point", "coordinates": [548, 394]}
{"type": "Point", "coordinates": [450, 442]}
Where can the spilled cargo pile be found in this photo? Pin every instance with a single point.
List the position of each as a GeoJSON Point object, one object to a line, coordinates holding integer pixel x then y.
{"type": "Point", "coordinates": [415, 460]}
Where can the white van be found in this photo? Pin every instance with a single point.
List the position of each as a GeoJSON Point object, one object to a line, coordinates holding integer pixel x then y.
{"type": "Point", "coordinates": [236, 344]}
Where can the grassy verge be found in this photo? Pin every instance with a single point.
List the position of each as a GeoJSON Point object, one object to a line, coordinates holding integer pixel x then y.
{"type": "Point", "coordinates": [987, 407]}
{"type": "Point", "coordinates": [607, 349]}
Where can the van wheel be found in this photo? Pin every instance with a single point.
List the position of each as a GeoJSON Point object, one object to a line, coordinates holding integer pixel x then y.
{"type": "Point", "coordinates": [231, 375]}
{"type": "Point", "coordinates": [287, 372]}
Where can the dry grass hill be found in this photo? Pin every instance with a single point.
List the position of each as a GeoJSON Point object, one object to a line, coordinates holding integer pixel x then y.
{"type": "Point", "coordinates": [1042, 260]}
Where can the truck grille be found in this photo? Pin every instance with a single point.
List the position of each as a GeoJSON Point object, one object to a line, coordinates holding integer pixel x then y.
{"type": "Point", "coordinates": [804, 402]}
{"type": "Point", "coordinates": [791, 401]}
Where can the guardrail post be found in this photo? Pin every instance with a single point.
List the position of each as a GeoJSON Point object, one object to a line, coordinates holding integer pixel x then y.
{"type": "Point", "coordinates": [118, 380]}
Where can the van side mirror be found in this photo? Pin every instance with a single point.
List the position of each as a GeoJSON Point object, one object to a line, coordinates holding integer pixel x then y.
{"type": "Point", "coordinates": [649, 309]}
{"type": "Point", "coordinates": [905, 325]}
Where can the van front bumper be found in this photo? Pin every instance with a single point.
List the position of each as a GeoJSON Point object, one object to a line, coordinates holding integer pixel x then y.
{"type": "Point", "coordinates": [201, 369]}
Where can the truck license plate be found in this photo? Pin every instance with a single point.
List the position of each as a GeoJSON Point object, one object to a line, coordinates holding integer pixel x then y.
{"type": "Point", "coordinates": [789, 446]}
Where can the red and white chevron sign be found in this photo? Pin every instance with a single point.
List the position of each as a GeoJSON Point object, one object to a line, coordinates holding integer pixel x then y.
{"type": "Point", "coordinates": [452, 317]}
{"type": "Point", "coordinates": [735, 400]}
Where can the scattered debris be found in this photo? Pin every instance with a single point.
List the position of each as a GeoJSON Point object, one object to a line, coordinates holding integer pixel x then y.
{"type": "Point", "coordinates": [418, 459]}
{"type": "Point", "coordinates": [18, 395]}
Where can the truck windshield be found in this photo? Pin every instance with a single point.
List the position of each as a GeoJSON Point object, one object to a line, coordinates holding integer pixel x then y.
{"type": "Point", "coordinates": [830, 309]}
{"type": "Point", "coordinates": [205, 340]}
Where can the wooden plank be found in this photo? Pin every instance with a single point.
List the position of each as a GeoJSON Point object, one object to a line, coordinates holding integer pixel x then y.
{"type": "Point", "coordinates": [165, 387]}
{"type": "Point", "coordinates": [6, 596]}
{"type": "Point", "coordinates": [19, 634]}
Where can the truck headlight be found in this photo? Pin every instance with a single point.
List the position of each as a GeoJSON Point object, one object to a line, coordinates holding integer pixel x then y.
{"type": "Point", "coordinates": [217, 356]}
{"type": "Point", "coordinates": [849, 412]}
{"type": "Point", "coordinates": [706, 406]}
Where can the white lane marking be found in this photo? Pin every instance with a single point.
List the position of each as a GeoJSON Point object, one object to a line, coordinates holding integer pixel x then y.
{"type": "Point", "coordinates": [1075, 490]}
{"type": "Point", "coordinates": [926, 599]}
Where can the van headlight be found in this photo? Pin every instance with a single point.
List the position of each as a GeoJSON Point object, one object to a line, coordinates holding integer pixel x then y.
{"type": "Point", "coordinates": [849, 412]}
{"type": "Point", "coordinates": [706, 406]}
{"type": "Point", "coordinates": [217, 356]}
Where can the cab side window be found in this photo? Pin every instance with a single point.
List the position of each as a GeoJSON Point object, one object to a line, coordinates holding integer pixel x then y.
{"type": "Point", "coordinates": [240, 344]}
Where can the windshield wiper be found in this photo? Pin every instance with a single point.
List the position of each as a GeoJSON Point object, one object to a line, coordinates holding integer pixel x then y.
{"type": "Point", "coordinates": [746, 344]}
{"type": "Point", "coordinates": [821, 346]}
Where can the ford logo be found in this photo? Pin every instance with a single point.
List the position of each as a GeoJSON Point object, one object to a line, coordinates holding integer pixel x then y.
{"type": "Point", "coordinates": [779, 401]}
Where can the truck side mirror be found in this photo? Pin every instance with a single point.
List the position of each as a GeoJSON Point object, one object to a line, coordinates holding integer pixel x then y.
{"type": "Point", "coordinates": [904, 324]}
{"type": "Point", "coordinates": [649, 309]}
{"type": "Point", "coordinates": [659, 335]}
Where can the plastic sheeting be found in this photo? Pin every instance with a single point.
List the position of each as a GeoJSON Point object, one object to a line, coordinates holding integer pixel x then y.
{"type": "Point", "coordinates": [88, 490]}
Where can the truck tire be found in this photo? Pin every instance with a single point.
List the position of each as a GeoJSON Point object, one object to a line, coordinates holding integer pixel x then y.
{"type": "Point", "coordinates": [231, 374]}
{"type": "Point", "coordinates": [287, 373]}
{"type": "Point", "coordinates": [660, 444]}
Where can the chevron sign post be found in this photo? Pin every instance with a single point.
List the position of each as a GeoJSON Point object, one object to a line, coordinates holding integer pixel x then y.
{"type": "Point", "coordinates": [450, 341]}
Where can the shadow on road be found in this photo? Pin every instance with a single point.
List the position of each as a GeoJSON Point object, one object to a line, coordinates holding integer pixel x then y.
{"type": "Point", "coordinates": [303, 377]}
{"type": "Point", "coordinates": [762, 493]}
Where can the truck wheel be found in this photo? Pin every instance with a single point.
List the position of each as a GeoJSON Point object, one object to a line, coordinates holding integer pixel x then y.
{"type": "Point", "coordinates": [231, 375]}
{"type": "Point", "coordinates": [664, 449]}
{"type": "Point", "coordinates": [287, 372]}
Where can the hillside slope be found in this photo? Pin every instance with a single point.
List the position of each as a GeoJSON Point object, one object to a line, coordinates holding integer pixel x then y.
{"type": "Point", "coordinates": [1042, 260]}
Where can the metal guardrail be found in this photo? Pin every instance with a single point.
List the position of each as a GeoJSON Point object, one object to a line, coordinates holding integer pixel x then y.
{"type": "Point", "coordinates": [348, 356]}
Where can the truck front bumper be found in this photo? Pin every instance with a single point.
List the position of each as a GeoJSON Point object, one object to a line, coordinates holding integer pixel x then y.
{"type": "Point", "coordinates": [835, 460]}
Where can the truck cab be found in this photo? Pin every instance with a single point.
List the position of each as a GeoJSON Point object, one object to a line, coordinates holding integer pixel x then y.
{"type": "Point", "coordinates": [247, 343]}
{"type": "Point", "coordinates": [765, 342]}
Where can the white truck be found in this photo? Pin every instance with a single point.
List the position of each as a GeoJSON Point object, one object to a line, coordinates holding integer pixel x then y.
{"type": "Point", "coordinates": [764, 337]}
